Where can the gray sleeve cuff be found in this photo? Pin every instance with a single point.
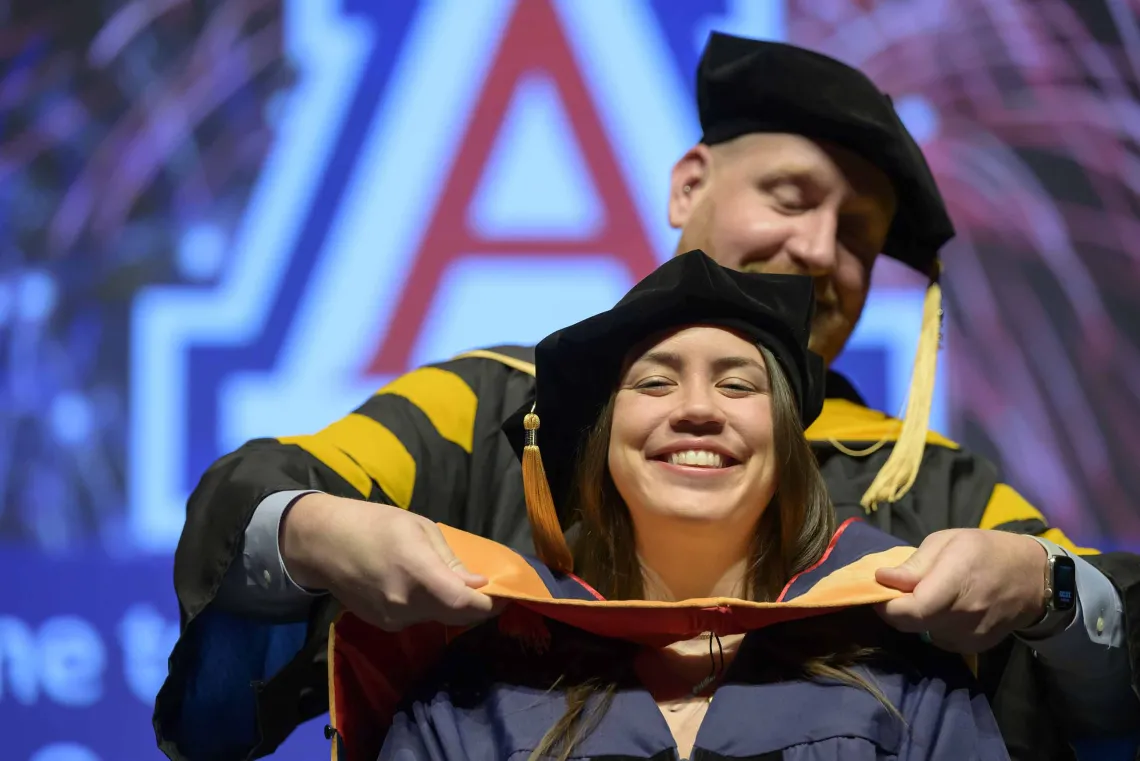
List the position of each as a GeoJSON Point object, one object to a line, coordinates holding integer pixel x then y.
{"type": "Point", "coordinates": [258, 584]}
{"type": "Point", "coordinates": [1086, 663]}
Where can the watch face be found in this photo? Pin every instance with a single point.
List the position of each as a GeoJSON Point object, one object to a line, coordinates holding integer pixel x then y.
{"type": "Point", "coordinates": [1064, 582]}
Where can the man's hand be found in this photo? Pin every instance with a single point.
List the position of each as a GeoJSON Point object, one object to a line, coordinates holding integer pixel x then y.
{"type": "Point", "coordinates": [968, 588]}
{"type": "Point", "coordinates": [388, 566]}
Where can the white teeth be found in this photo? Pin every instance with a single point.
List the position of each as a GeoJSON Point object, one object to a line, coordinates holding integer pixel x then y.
{"type": "Point", "coordinates": [700, 458]}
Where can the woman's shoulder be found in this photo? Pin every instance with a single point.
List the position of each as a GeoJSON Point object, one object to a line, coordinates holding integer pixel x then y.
{"type": "Point", "coordinates": [855, 537]}
{"type": "Point", "coordinates": [854, 541]}
{"type": "Point", "coordinates": [562, 586]}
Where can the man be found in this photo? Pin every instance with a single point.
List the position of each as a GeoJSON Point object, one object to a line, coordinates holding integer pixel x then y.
{"type": "Point", "coordinates": [803, 167]}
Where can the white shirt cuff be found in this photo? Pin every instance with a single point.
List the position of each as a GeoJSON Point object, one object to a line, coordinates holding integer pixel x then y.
{"type": "Point", "coordinates": [259, 585]}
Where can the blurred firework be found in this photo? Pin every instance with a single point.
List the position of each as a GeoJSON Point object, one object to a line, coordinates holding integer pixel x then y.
{"type": "Point", "coordinates": [1032, 121]}
{"type": "Point", "coordinates": [126, 130]}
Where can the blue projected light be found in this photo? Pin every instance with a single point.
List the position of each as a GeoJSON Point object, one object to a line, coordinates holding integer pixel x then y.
{"type": "Point", "coordinates": [72, 417]}
{"type": "Point", "coordinates": [330, 51]}
{"type": "Point", "coordinates": [764, 20]}
{"type": "Point", "coordinates": [869, 365]}
{"type": "Point", "coordinates": [279, 346]}
{"type": "Point", "coordinates": [201, 251]}
{"type": "Point", "coordinates": [36, 296]}
{"type": "Point", "coordinates": [65, 752]}
{"type": "Point", "coordinates": [919, 116]}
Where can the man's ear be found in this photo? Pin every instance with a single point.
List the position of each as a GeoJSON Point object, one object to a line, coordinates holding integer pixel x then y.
{"type": "Point", "coordinates": [689, 181]}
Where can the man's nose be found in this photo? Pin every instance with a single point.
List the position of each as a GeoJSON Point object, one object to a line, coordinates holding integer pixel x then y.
{"type": "Point", "coordinates": [813, 248]}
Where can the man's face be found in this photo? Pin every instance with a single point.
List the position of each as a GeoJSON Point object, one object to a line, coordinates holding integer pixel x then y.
{"type": "Point", "coordinates": [784, 203]}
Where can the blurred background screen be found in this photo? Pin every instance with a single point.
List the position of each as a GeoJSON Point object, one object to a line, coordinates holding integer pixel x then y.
{"type": "Point", "coordinates": [226, 219]}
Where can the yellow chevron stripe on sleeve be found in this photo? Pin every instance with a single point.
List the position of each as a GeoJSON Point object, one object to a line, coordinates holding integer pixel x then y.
{"type": "Point", "coordinates": [1007, 505]}
{"type": "Point", "coordinates": [445, 398]}
{"type": "Point", "coordinates": [1057, 536]}
{"type": "Point", "coordinates": [334, 459]}
{"type": "Point", "coordinates": [358, 448]}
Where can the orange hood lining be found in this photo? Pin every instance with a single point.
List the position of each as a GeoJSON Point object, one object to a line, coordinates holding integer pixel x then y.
{"type": "Point", "coordinates": [511, 577]}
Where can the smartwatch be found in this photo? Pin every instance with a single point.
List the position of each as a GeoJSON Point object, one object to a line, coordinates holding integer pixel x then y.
{"type": "Point", "coordinates": [1060, 589]}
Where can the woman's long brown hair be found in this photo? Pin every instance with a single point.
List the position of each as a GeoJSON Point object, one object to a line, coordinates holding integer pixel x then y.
{"type": "Point", "coordinates": [792, 534]}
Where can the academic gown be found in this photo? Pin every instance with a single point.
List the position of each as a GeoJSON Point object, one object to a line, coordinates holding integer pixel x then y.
{"type": "Point", "coordinates": [431, 441]}
{"type": "Point", "coordinates": [490, 694]}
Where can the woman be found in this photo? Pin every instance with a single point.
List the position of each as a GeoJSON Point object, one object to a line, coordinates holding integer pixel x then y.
{"type": "Point", "coordinates": [672, 439]}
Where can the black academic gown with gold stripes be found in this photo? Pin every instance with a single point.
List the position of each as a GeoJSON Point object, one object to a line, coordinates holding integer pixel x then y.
{"type": "Point", "coordinates": [431, 442]}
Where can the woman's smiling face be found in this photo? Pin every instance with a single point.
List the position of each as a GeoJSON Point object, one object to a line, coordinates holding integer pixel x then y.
{"type": "Point", "coordinates": [691, 438]}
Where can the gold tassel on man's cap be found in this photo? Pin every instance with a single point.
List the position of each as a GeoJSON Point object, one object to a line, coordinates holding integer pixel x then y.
{"type": "Point", "coordinates": [900, 471]}
{"type": "Point", "coordinates": [549, 541]}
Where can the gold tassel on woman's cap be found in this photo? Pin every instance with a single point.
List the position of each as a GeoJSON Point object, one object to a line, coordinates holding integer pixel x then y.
{"type": "Point", "coordinates": [899, 472]}
{"type": "Point", "coordinates": [549, 541]}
